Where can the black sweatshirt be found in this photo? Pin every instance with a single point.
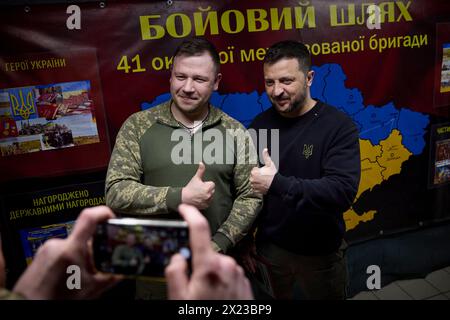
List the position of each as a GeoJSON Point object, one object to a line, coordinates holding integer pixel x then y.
{"type": "Point", "coordinates": [317, 180]}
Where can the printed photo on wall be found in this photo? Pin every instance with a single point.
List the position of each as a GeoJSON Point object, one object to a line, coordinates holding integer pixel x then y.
{"type": "Point", "coordinates": [442, 162]}
{"type": "Point", "coordinates": [46, 117]}
{"type": "Point", "coordinates": [445, 70]}
{"type": "Point", "coordinates": [33, 238]}
{"type": "Point", "coordinates": [439, 171]}
{"type": "Point", "coordinates": [51, 114]}
{"type": "Point", "coordinates": [441, 94]}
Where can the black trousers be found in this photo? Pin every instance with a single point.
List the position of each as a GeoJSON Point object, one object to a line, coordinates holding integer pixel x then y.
{"type": "Point", "coordinates": [294, 276]}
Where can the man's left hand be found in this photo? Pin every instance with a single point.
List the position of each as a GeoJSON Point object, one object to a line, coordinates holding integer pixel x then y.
{"type": "Point", "coordinates": [47, 277]}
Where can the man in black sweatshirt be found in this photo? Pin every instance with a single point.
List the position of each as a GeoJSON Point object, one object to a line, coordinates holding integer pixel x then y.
{"type": "Point", "coordinates": [300, 229]}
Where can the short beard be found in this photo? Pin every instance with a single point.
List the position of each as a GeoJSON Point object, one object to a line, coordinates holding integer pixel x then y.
{"type": "Point", "coordinates": [295, 105]}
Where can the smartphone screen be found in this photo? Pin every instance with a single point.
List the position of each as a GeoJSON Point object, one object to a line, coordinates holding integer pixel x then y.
{"type": "Point", "coordinates": [139, 247]}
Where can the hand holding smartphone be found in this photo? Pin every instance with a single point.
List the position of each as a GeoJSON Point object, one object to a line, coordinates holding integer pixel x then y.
{"type": "Point", "coordinates": [139, 247]}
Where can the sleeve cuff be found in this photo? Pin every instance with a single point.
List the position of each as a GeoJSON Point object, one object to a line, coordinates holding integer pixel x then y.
{"type": "Point", "coordinates": [222, 242]}
{"type": "Point", "coordinates": [10, 295]}
{"type": "Point", "coordinates": [280, 185]}
{"type": "Point", "coordinates": [173, 198]}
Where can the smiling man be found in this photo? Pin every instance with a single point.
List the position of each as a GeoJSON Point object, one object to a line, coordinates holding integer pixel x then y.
{"type": "Point", "coordinates": [300, 228]}
{"type": "Point", "coordinates": [145, 175]}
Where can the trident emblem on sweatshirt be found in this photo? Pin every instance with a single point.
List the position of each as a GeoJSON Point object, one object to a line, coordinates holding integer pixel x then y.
{"type": "Point", "coordinates": [307, 150]}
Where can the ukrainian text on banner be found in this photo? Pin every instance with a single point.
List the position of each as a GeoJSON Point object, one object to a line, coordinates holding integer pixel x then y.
{"type": "Point", "coordinates": [29, 219]}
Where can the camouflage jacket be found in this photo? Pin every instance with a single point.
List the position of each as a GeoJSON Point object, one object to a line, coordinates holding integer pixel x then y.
{"type": "Point", "coordinates": [149, 167]}
{"type": "Point", "coordinates": [9, 295]}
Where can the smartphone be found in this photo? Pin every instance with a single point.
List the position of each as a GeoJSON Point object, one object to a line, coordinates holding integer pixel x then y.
{"type": "Point", "coordinates": [139, 247]}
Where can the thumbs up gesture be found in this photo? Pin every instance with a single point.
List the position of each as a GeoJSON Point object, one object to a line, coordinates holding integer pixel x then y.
{"type": "Point", "coordinates": [261, 178]}
{"type": "Point", "coordinates": [197, 192]}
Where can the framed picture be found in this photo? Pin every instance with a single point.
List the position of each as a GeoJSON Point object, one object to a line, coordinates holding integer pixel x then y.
{"type": "Point", "coordinates": [439, 169]}
{"type": "Point", "coordinates": [442, 66]}
{"type": "Point", "coordinates": [52, 118]}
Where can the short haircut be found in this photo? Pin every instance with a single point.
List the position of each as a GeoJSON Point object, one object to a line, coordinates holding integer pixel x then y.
{"type": "Point", "coordinates": [197, 46]}
{"type": "Point", "coordinates": [289, 49]}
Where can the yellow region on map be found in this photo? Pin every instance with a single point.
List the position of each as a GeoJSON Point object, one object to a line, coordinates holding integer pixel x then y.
{"type": "Point", "coordinates": [369, 151]}
{"type": "Point", "coordinates": [352, 219]}
{"type": "Point", "coordinates": [370, 176]}
{"type": "Point", "coordinates": [393, 154]}
{"type": "Point", "coordinates": [378, 163]}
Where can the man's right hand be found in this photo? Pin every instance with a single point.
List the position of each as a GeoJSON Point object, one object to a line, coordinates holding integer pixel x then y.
{"type": "Point", "coordinates": [214, 275]}
{"type": "Point", "coordinates": [197, 192]}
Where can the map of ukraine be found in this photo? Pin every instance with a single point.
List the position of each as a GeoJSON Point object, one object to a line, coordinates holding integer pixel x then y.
{"type": "Point", "coordinates": [388, 135]}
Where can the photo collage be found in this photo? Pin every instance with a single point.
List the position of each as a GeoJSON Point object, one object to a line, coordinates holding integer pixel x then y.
{"type": "Point", "coordinates": [445, 70]}
{"type": "Point", "coordinates": [46, 117]}
{"type": "Point", "coordinates": [442, 162]}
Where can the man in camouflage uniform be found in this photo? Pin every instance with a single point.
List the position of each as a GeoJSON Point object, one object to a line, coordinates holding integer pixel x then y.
{"type": "Point", "coordinates": [161, 159]}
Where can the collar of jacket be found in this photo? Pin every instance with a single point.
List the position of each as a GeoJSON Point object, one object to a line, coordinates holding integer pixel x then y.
{"type": "Point", "coordinates": [166, 117]}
